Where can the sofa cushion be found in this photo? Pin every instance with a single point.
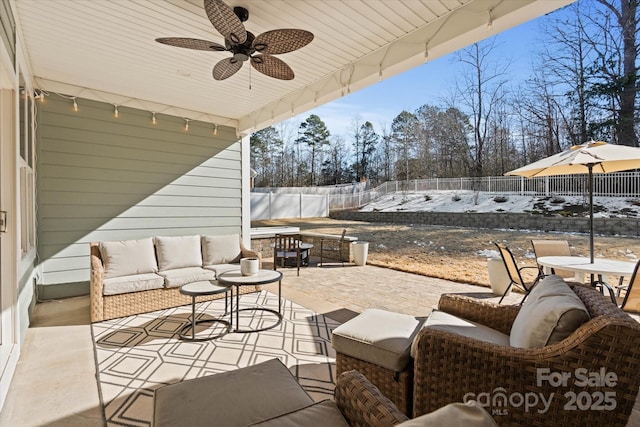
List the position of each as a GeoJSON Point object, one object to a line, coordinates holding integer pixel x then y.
{"type": "Point", "coordinates": [235, 398]}
{"type": "Point", "coordinates": [221, 249]}
{"type": "Point", "coordinates": [379, 337]}
{"type": "Point", "coordinates": [222, 268]}
{"type": "Point", "coordinates": [134, 283]}
{"type": "Point", "coordinates": [443, 321]}
{"type": "Point", "coordinates": [178, 252]}
{"type": "Point", "coordinates": [182, 276]}
{"type": "Point", "coordinates": [128, 257]}
{"type": "Point", "coordinates": [454, 414]}
{"type": "Point", "coordinates": [551, 313]}
{"type": "Point", "coordinates": [320, 414]}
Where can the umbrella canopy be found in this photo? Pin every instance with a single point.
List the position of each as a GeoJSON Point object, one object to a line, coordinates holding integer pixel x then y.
{"type": "Point", "coordinates": [603, 158]}
{"type": "Point", "coordinates": [592, 157]}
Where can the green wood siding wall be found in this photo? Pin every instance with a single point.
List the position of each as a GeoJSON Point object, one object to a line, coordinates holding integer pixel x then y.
{"type": "Point", "coordinates": [103, 178]}
{"type": "Point", "coordinates": [8, 30]}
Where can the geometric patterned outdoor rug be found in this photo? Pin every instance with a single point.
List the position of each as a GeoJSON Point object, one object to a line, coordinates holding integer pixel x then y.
{"type": "Point", "coordinates": [137, 354]}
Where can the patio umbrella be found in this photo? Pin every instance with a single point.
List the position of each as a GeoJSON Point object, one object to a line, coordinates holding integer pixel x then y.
{"type": "Point", "coordinates": [592, 157]}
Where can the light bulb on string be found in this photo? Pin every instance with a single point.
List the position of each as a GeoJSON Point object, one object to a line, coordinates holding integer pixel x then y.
{"type": "Point", "coordinates": [75, 104]}
{"type": "Point", "coordinates": [186, 125]}
{"type": "Point", "coordinates": [215, 129]}
{"type": "Point", "coordinates": [153, 118]}
{"type": "Point", "coordinates": [116, 114]}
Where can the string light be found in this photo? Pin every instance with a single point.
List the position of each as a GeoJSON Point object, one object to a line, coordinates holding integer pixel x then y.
{"type": "Point", "coordinates": [41, 94]}
{"type": "Point", "coordinates": [490, 22]}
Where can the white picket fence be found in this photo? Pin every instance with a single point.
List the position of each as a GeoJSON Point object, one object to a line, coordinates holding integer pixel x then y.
{"type": "Point", "coordinates": [618, 184]}
{"type": "Point", "coordinates": [299, 204]}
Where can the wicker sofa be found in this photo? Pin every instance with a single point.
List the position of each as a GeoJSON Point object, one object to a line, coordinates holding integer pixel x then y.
{"type": "Point", "coordinates": [589, 377]}
{"type": "Point", "coordinates": [137, 276]}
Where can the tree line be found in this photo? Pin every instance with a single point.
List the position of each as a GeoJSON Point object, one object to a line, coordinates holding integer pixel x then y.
{"type": "Point", "coordinates": [583, 85]}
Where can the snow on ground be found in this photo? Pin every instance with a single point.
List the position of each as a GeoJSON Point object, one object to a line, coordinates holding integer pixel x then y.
{"type": "Point", "coordinates": [470, 201]}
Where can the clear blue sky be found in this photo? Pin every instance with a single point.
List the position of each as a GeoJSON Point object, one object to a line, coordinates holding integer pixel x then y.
{"type": "Point", "coordinates": [426, 84]}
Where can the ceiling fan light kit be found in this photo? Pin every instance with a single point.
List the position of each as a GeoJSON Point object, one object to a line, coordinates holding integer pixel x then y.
{"type": "Point", "coordinates": [244, 45]}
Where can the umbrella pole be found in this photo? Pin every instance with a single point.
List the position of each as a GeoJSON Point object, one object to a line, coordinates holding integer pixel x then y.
{"type": "Point", "coordinates": [590, 166]}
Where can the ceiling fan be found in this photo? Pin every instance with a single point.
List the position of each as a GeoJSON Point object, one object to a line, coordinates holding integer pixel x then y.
{"type": "Point", "coordinates": [243, 44]}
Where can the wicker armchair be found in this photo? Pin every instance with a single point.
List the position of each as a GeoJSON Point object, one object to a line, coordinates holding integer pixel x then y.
{"type": "Point", "coordinates": [362, 404]}
{"type": "Point", "coordinates": [452, 368]}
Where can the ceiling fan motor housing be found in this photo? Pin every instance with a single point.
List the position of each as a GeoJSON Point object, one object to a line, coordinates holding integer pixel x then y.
{"type": "Point", "coordinates": [242, 51]}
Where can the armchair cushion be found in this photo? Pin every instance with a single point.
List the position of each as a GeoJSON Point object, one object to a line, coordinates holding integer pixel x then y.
{"type": "Point", "coordinates": [450, 323]}
{"type": "Point", "coordinates": [551, 313]}
{"type": "Point", "coordinates": [221, 249]}
{"type": "Point", "coordinates": [178, 252]}
{"type": "Point", "coordinates": [128, 257]}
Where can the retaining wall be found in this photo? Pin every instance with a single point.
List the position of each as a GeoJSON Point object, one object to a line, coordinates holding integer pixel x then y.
{"type": "Point", "coordinates": [513, 221]}
{"type": "Point", "coordinates": [264, 245]}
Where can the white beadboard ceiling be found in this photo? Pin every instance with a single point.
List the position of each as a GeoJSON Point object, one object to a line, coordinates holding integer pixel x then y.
{"type": "Point", "coordinates": [105, 50]}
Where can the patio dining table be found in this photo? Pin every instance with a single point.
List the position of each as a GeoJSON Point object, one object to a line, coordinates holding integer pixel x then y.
{"type": "Point", "coordinates": [599, 267]}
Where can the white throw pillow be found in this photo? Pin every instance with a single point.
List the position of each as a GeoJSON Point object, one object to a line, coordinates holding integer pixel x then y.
{"type": "Point", "coordinates": [178, 252]}
{"type": "Point", "coordinates": [128, 257]}
{"type": "Point", "coordinates": [221, 249]}
{"type": "Point", "coordinates": [551, 313]}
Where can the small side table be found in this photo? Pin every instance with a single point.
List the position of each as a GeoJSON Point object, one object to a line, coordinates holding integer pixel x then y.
{"type": "Point", "coordinates": [196, 289]}
{"type": "Point", "coordinates": [263, 277]}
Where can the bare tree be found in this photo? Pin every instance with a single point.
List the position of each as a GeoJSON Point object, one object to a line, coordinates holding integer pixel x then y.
{"type": "Point", "coordinates": [333, 168]}
{"type": "Point", "coordinates": [625, 13]}
{"type": "Point", "coordinates": [383, 158]}
{"type": "Point", "coordinates": [537, 104]}
{"type": "Point", "coordinates": [561, 78]}
{"type": "Point", "coordinates": [452, 151]}
{"type": "Point", "coordinates": [263, 144]}
{"type": "Point", "coordinates": [482, 89]}
{"type": "Point", "coordinates": [427, 120]}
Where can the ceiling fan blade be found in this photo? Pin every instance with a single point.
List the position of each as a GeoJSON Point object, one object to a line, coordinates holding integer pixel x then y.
{"type": "Point", "coordinates": [282, 41]}
{"type": "Point", "coordinates": [188, 43]}
{"type": "Point", "coordinates": [225, 21]}
{"type": "Point", "coordinates": [226, 68]}
{"type": "Point", "coordinates": [272, 67]}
